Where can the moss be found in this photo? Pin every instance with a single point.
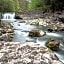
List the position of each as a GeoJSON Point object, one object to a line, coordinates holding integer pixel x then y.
{"type": "Point", "coordinates": [49, 50]}
{"type": "Point", "coordinates": [52, 44]}
{"type": "Point", "coordinates": [48, 40]}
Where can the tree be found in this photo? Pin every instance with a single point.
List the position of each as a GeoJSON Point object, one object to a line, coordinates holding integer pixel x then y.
{"type": "Point", "coordinates": [38, 4]}
{"type": "Point", "coordinates": [23, 4]}
{"type": "Point", "coordinates": [44, 5]}
{"type": "Point", "coordinates": [8, 5]}
{"type": "Point", "coordinates": [57, 5]}
{"type": "Point", "coordinates": [16, 5]}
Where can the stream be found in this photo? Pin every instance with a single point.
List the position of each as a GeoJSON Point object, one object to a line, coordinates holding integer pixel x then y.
{"type": "Point", "coordinates": [21, 31]}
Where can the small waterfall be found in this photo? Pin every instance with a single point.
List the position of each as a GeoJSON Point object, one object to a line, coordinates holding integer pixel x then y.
{"type": "Point", "coordinates": [8, 16]}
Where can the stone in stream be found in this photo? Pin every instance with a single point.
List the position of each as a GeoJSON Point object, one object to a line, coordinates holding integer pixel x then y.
{"type": "Point", "coordinates": [52, 44]}
{"type": "Point", "coordinates": [18, 24]}
{"type": "Point", "coordinates": [50, 30]}
{"type": "Point", "coordinates": [36, 33]}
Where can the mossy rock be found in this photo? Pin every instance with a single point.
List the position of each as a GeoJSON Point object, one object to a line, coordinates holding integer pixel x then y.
{"type": "Point", "coordinates": [52, 44]}
{"type": "Point", "coordinates": [36, 33]}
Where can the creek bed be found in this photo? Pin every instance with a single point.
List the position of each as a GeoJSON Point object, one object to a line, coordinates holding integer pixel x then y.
{"type": "Point", "coordinates": [21, 31]}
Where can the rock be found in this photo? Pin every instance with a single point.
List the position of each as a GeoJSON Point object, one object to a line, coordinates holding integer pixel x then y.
{"type": "Point", "coordinates": [6, 31]}
{"type": "Point", "coordinates": [22, 53]}
{"type": "Point", "coordinates": [52, 44]}
{"type": "Point", "coordinates": [21, 21]}
{"type": "Point", "coordinates": [34, 23]}
{"type": "Point", "coordinates": [0, 33]}
{"type": "Point", "coordinates": [15, 21]}
{"type": "Point", "coordinates": [56, 62]}
{"type": "Point", "coordinates": [61, 19]}
{"type": "Point", "coordinates": [61, 29]}
{"type": "Point", "coordinates": [10, 31]}
{"type": "Point", "coordinates": [36, 33]}
{"type": "Point", "coordinates": [50, 30]}
{"type": "Point", "coordinates": [18, 17]}
{"type": "Point", "coordinates": [18, 24]}
{"type": "Point", "coordinates": [1, 38]}
{"type": "Point", "coordinates": [3, 31]}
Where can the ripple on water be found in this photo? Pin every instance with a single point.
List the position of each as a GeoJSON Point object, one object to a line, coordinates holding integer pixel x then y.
{"type": "Point", "coordinates": [60, 55]}
{"type": "Point", "coordinates": [54, 34]}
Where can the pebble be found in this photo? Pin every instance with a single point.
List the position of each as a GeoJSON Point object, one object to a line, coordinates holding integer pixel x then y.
{"type": "Point", "coordinates": [26, 53]}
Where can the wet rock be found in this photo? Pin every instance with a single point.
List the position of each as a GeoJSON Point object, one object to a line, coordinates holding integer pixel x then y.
{"type": "Point", "coordinates": [18, 24]}
{"type": "Point", "coordinates": [36, 33]}
{"type": "Point", "coordinates": [21, 21]}
{"type": "Point", "coordinates": [18, 17]}
{"type": "Point", "coordinates": [52, 44]}
{"type": "Point", "coordinates": [50, 30]}
{"type": "Point", "coordinates": [0, 33]}
{"type": "Point", "coordinates": [3, 31]}
{"type": "Point", "coordinates": [34, 23]}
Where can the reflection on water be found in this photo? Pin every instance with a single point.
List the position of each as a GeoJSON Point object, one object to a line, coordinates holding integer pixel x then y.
{"type": "Point", "coordinates": [22, 30]}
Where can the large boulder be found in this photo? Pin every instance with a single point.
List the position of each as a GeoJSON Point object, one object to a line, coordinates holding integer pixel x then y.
{"type": "Point", "coordinates": [52, 44]}
{"type": "Point", "coordinates": [36, 33]}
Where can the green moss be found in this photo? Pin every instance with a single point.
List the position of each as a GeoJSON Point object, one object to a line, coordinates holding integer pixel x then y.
{"type": "Point", "coordinates": [49, 50]}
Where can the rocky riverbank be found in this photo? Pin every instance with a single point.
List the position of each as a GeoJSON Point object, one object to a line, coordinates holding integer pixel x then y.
{"type": "Point", "coordinates": [54, 21]}
{"type": "Point", "coordinates": [6, 31]}
{"type": "Point", "coordinates": [26, 53]}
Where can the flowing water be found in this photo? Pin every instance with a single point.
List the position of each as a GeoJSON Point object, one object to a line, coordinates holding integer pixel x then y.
{"type": "Point", "coordinates": [21, 31]}
{"type": "Point", "coordinates": [8, 16]}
